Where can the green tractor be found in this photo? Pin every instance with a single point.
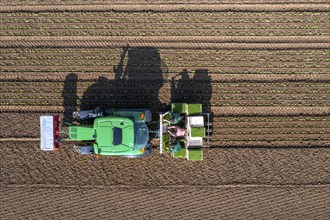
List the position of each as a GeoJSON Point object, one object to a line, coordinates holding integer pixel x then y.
{"type": "Point", "coordinates": [183, 132]}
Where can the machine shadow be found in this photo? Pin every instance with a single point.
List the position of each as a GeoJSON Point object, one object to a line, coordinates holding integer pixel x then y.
{"type": "Point", "coordinates": [195, 89]}
{"type": "Point", "coordinates": [139, 75]}
{"type": "Point", "coordinates": [70, 98]}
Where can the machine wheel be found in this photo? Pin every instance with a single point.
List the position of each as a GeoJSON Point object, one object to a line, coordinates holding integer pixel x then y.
{"type": "Point", "coordinates": [58, 142]}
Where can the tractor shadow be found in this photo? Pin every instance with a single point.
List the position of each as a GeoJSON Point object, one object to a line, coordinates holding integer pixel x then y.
{"type": "Point", "coordinates": [70, 98]}
{"type": "Point", "coordinates": [138, 77]}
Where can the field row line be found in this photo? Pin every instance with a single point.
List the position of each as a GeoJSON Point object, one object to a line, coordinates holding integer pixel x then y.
{"type": "Point", "coordinates": [170, 15]}
{"type": "Point", "coordinates": [171, 8]}
{"type": "Point", "coordinates": [219, 125]}
{"type": "Point", "coordinates": [272, 120]}
{"type": "Point", "coordinates": [137, 2]}
{"type": "Point", "coordinates": [272, 132]}
{"type": "Point", "coordinates": [122, 101]}
{"type": "Point", "coordinates": [116, 187]}
{"type": "Point", "coordinates": [114, 59]}
{"type": "Point", "coordinates": [204, 39]}
{"type": "Point", "coordinates": [154, 20]}
{"type": "Point", "coordinates": [179, 64]}
{"type": "Point", "coordinates": [105, 51]}
{"type": "Point", "coordinates": [273, 139]}
{"type": "Point", "coordinates": [273, 144]}
{"type": "Point", "coordinates": [122, 27]}
{"type": "Point", "coordinates": [161, 45]}
{"type": "Point", "coordinates": [157, 82]}
{"type": "Point", "coordinates": [220, 72]}
{"type": "Point", "coordinates": [218, 111]}
{"type": "Point", "coordinates": [223, 94]}
{"type": "Point", "coordinates": [169, 32]}
{"type": "Point", "coordinates": [21, 95]}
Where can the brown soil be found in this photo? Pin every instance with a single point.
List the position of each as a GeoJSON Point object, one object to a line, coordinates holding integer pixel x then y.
{"type": "Point", "coordinates": [262, 69]}
{"type": "Point", "coordinates": [23, 163]}
{"type": "Point", "coordinates": [224, 202]}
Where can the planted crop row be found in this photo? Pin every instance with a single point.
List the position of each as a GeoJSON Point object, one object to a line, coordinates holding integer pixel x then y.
{"type": "Point", "coordinates": [167, 26]}
{"type": "Point", "coordinates": [271, 119]}
{"type": "Point", "coordinates": [215, 71]}
{"type": "Point", "coordinates": [139, 101]}
{"type": "Point", "coordinates": [215, 85]}
{"type": "Point", "coordinates": [217, 95]}
{"type": "Point", "coordinates": [41, 71]}
{"type": "Point", "coordinates": [272, 132]}
{"type": "Point", "coordinates": [271, 139]}
{"type": "Point", "coordinates": [129, 2]}
{"type": "Point", "coordinates": [155, 15]}
{"type": "Point", "coordinates": [178, 63]}
{"type": "Point", "coordinates": [159, 20]}
{"type": "Point", "coordinates": [225, 94]}
{"type": "Point", "coordinates": [129, 84]}
{"type": "Point", "coordinates": [265, 126]}
{"type": "Point", "coordinates": [215, 98]}
{"type": "Point", "coordinates": [166, 52]}
{"type": "Point", "coordinates": [170, 32]}
{"type": "Point", "coordinates": [165, 57]}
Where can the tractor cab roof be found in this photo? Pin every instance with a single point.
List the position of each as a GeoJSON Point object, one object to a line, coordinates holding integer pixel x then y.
{"type": "Point", "coordinates": [114, 133]}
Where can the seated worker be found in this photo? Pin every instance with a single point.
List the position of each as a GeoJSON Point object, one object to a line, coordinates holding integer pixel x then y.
{"type": "Point", "coordinates": [176, 131]}
{"type": "Point", "coordinates": [176, 147]}
{"type": "Point", "coordinates": [171, 117]}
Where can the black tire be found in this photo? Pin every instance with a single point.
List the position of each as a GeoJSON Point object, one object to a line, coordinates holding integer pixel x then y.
{"type": "Point", "coordinates": [58, 142]}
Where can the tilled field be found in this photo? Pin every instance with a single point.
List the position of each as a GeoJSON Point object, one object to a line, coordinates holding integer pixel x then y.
{"type": "Point", "coordinates": [261, 68]}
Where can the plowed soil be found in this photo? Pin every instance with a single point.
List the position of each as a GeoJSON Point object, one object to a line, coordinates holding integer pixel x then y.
{"type": "Point", "coordinates": [261, 68]}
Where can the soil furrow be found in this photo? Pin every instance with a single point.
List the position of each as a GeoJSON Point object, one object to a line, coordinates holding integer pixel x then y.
{"type": "Point", "coordinates": [224, 202]}
{"type": "Point", "coordinates": [245, 39]}
{"type": "Point", "coordinates": [132, 2]}
{"type": "Point", "coordinates": [170, 8]}
{"type": "Point", "coordinates": [93, 44]}
{"type": "Point", "coordinates": [171, 16]}
{"type": "Point", "coordinates": [23, 163]}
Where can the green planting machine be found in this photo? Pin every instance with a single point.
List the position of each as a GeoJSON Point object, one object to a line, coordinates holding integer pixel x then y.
{"type": "Point", "coordinates": [182, 132]}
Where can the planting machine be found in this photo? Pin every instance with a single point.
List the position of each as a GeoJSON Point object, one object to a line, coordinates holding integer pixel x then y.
{"type": "Point", "coordinates": [182, 132]}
